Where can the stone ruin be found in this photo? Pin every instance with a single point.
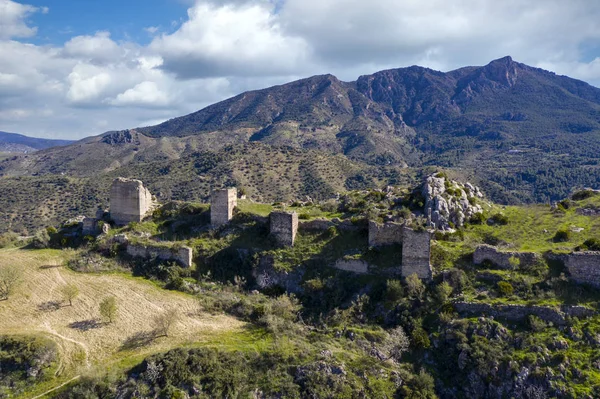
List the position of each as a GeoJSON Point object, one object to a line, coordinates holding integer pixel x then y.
{"type": "Point", "coordinates": [130, 201]}
{"type": "Point", "coordinates": [416, 246]}
{"type": "Point", "coordinates": [222, 203]}
{"type": "Point", "coordinates": [416, 253]}
{"type": "Point", "coordinates": [584, 267]}
{"type": "Point", "coordinates": [385, 234]}
{"type": "Point", "coordinates": [501, 259]}
{"type": "Point", "coordinates": [182, 255]}
{"type": "Point", "coordinates": [283, 227]}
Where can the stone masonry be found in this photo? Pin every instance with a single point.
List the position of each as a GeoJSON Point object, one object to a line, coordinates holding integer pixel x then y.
{"type": "Point", "coordinates": [222, 203]}
{"type": "Point", "coordinates": [501, 258]}
{"type": "Point", "coordinates": [130, 201]}
{"type": "Point", "coordinates": [384, 234]}
{"type": "Point", "coordinates": [416, 252]}
{"type": "Point", "coordinates": [584, 267]}
{"type": "Point", "coordinates": [182, 255]}
{"type": "Point", "coordinates": [284, 226]}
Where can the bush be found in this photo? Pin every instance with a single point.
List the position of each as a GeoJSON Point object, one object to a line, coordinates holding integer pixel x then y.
{"type": "Point", "coordinates": [583, 194]}
{"type": "Point", "coordinates": [505, 288]}
{"type": "Point", "coordinates": [477, 218]}
{"type": "Point", "coordinates": [41, 239]}
{"type": "Point", "coordinates": [304, 216]}
{"type": "Point", "coordinates": [8, 239]}
{"type": "Point", "coordinates": [591, 244]}
{"type": "Point", "coordinates": [499, 219]}
{"type": "Point", "coordinates": [536, 324]}
{"type": "Point", "coordinates": [393, 291]}
{"type": "Point", "coordinates": [563, 235]}
{"type": "Point", "coordinates": [414, 286]}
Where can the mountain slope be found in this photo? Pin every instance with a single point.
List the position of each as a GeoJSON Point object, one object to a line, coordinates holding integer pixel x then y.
{"type": "Point", "coordinates": [13, 142]}
{"type": "Point", "coordinates": [523, 134]}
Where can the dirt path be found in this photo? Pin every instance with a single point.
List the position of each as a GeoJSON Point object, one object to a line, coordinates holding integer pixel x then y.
{"type": "Point", "coordinates": [57, 388]}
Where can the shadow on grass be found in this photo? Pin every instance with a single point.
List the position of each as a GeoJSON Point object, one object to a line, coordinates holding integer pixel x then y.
{"type": "Point", "coordinates": [139, 340]}
{"type": "Point", "coordinates": [50, 306]}
{"type": "Point", "coordinates": [86, 325]}
{"type": "Point", "coordinates": [46, 267]}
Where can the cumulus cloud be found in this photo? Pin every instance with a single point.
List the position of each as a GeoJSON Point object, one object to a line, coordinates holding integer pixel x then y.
{"type": "Point", "coordinates": [231, 40]}
{"type": "Point", "coordinates": [93, 83]}
{"type": "Point", "coordinates": [13, 19]}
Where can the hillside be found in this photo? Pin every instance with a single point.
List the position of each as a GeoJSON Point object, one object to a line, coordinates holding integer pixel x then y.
{"type": "Point", "coordinates": [523, 134]}
{"type": "Point", "coordinates": [83, 340]}
{"type": "Point", "coordinates": [505, 313]}
{"type": "Point", "coordinates": [18, 143]}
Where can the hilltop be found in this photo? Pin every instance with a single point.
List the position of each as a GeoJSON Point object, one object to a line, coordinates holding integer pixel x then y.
{"type": "Point", "coordinates": [18, 143]}
{"type": "Point", "coordinates": [522, 133]}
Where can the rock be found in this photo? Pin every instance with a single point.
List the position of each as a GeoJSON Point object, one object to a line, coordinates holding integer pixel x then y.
{"type": "Point", "coordinates": [449, 203]}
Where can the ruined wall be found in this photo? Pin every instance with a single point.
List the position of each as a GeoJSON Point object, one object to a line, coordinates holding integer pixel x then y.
{"type": "Point", "coordinates": [89, 226]}
{"type": "Point", "coordinates": [501, 259]}
{"type": "Point", "coordinates": [584, 267]}
{"type": "Point", "coordinates": [267, 276]}
{"type": "Point", "coordinates": [182, 255]}
{"type": "Point", "coordinates": [222, 203]}
{"type": "Point", "coordinates": [352, 265]}
{"type": "Point", "coordinates": [129, 201]}
{"type": "Point", "coordinates": [324, 224]}
{"type": "Point", "coordinates": [284, 226]}
{"type": "Point", "coordinates": [385, 234]}
{"type": "Point", "coordinates": [522, 312]}
{"type": "Point", "coordinates": [416, 252]}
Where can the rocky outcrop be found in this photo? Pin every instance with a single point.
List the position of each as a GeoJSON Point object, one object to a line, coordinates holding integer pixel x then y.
{"type": "Point", "coordinates": [501, 259]}
{"type": "Point", "coordinates": [557, 316]}
{"type": "Point", "coordinates": [449, 203]}
{"type": "Point", "coordinates": [182, 255]}
{"type": "Point", "coordinates": [584, 267]}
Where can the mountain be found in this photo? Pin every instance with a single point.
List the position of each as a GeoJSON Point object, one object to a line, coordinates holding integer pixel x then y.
{"type": "Point", "coordinates": [13, 142]}
{"type": "Point", "coordinates": [521, 133]}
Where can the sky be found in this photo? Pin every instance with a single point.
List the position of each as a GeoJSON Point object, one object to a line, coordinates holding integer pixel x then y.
{"type": "Point", "coordinates": [74, 68]}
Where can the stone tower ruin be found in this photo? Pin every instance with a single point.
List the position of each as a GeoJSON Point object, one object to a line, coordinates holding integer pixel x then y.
{"type": "Point", "coordinates": [130, 201]}
{"type": "Point", "coordinates": [222, 203]}
{"type": "Point", "coordinates": [284, 226]}
{"type": "Point", "coordinates": [416, 253]}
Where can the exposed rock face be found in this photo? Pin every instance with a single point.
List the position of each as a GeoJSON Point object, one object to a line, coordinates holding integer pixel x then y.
{"type": "Point", "coordinates": [182, 255]}
{"type": "Point", "coordinates": [447, 201]}
{"type": "Point", "coordinates": [521, 312]}
{"type": "Point", "coordinates": [584, 267]}
{"type": "Point", "coordinates": [502, 259]}
{"type": "Point", "coordinates": [222, 203]}
{"type": "Point", "coordinates": [284, 226]}
{"type": "Point", "coordinates": [416, 252]}
{"type": "Point", "coordinates": [130, 201]}
{"type": "Point", "coordinates": [384, 234]}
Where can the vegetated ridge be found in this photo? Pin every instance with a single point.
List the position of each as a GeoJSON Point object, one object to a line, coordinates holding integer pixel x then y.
{"type": "Point", "coordinates": [13, 142]}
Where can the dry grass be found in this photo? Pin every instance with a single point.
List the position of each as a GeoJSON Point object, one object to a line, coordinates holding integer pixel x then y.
{"type": "Point", "coordinates": [84, 340]}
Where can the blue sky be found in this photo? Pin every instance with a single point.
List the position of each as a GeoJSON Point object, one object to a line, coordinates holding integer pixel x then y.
{"type": "Point", "coordinates": [125, 19]}
{"type": "Point", "coordinates": [75, 68]}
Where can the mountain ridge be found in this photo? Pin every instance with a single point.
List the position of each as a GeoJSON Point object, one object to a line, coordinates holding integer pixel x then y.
{"type": "Point", "coordinates": [15, 142]}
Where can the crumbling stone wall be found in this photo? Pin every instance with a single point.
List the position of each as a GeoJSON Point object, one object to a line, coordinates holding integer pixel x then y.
{"type": "Point", "coordinates": [584, 267]}
{"type": "Point", "coordinates": [284, 226]}
{"type": "Point", "coordinates": [385, 234]}
{"type": "Point", "coordinates": [522, 312]}
{"type": "Point", "coordinates": [416, 253]}
{"type": "Point", "coordinates": [182, 255]}
{"type": "Point", "coordinates": [352, 265]}
{"type": "Point", "coordinates": [89, 226]}
{"type": "Point", "coordinates": [222, 203]}
{"type": "Point", "coordinates": [502, 259]}
{"type": "Point", "coordinates": [130, 201]}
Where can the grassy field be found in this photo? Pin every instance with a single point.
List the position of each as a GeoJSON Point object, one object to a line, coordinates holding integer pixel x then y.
{"type": "Point", "coordinates": [84, 340]}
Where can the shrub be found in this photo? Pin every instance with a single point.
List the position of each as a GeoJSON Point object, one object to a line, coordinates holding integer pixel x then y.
{"type": "Point", "coordinates": [562, 235]}
{"type": "Point", "coordinates": [499, 219]}
{"type": "Point", "coordinates": [8, 239]}
{"type": "Point", "coordinates": [477, 218]}
{"type": "Point", "coordinates": [505, 288]}
{"type": "Point", "coordinates": [304, 216]}
{"type": "Point", "coordinates": [536, 324]}
{"type": "Point", "coordinates": [414, 286]}
{"type": "Point", "coordinates": [393, 291]}
{"type": "Point", "coordinates": [443, 292]}
{"type": "Point", "coordinates": [583, 194]}
{"type": "Point", "coordinates": [41, 239]}
{"type": "Point", "coordinates": [420, 338]}
{"type": "Point", "coordinates": [591, 244]}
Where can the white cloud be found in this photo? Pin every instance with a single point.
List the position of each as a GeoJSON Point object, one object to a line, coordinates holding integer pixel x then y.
{"type": "Point", "coordinates": [12, 19]}
{"type": "Point", "coordinates": [231, 40]}
{"type": "Point", "coordinates": [94, 83]}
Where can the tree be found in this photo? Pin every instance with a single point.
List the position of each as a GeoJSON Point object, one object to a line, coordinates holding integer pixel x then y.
{"type": "Point", "coordinates": [395, 344]}
{"type": "Point", "coordinates": [164, 321]}
{"type": "Point", "coordinates": [9, 278]}
{"type": "Point", "coordinates": [414, 286]}
{"type": "Point", "coordinates": [70, 292]}
{"type": "Point", "coordinates": [108, 308]}
{"type": "Point", "coordinates": [443, 292]}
